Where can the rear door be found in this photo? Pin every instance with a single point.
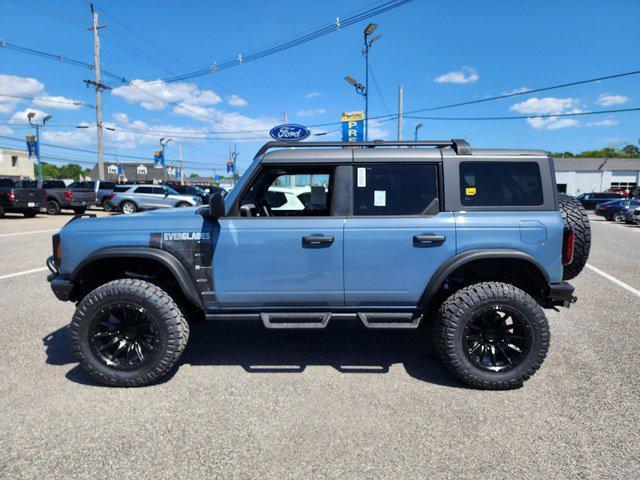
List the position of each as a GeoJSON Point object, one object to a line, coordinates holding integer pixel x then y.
{"type": "Point", "coordinates": [397, 236]}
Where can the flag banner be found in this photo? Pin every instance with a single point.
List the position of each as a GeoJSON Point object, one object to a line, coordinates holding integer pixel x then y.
{"type": "Point", "coordinates": [352, 126]}
{"type": "Point", "coordinates": [178, 173]}
{"type": "Point", "coordinates": [229, 166]}
{"type": "Point", "coordinates": [158, 159]}
{"type": "Point", "coordinates": [121, 170]}
{"type": "Point", "coordinates": [32, 145]}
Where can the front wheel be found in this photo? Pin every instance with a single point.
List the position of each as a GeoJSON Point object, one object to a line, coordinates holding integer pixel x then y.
{"type": "Point", "coordinates": [128, 333]}
{"type": "Point", "coordinates": [183, 205]}
{"type": "Point", "coordinates": [79, 210]}
{"type": "Point", "coordinates": [618, 217]}
{"type": "Point", "coordinates": [492, 335]}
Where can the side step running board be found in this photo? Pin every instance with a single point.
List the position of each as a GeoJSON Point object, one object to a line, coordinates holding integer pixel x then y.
{"type": "Point", "coordinates": [389, 320]}
{"type": "Point", "coordinates": [301, 320]}
{"type": "Point", "coordinates": [295, 320]}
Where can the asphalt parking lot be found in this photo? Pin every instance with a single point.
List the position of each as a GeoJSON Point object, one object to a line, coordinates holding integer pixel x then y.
{"type": "Point", "coordinates": [340, 403]}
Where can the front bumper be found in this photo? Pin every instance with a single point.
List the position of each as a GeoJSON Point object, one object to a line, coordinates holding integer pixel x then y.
{"type": "Point", "coordinates": [560, 294]}
{"type": "Point", "coordinates": [61, 287]}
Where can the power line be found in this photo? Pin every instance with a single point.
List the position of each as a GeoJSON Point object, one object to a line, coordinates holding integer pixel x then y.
{"type": "Point", "coordinates": [48, 100]}
{"type": "Point", "coordinates": [240, 59]}
{"type": "Point", "coordinates": [384, 102]}
{"type": "Point", "coordinates": [520, 117]}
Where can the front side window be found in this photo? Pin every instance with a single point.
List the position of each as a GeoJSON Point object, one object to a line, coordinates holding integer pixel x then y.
{"type": "Point", "coordinates": [500, 184]}
{"type": "Point", "coordinates": [294, 191]}
{"type": "Point", "coordinates": [396, 189]}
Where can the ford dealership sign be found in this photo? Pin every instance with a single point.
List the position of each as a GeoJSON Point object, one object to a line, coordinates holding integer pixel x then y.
{"type": "Point", "coordinates": [290, 132]}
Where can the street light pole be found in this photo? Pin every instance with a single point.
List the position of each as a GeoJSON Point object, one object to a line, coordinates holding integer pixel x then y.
{"type": "Point", "coordinates": [367, 45]}
{"type": "Point", "coordinates": [163, 143]}
{"type": "Point", "coordinates": [418, 127]}
{"type": "Point", "coordinates": [37, 126]}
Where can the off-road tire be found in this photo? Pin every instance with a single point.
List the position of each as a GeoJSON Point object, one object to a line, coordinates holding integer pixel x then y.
{"type": "Point", "coordinates": [80, 210]}
{"type": "Point", "coordinates": [461, 307]}
{"type": "Point", "coordinates": [53, 207]}
{"type": "Point", "coordinates": [173, 328]}
{"type": "Point", "coordinates": [575, 216]}
{"type": "Point", "coordinates": [30, 213]}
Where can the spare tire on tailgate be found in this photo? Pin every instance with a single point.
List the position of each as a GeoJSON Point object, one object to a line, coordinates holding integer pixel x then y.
{"type": "Point", "coordinates": [575, 217]}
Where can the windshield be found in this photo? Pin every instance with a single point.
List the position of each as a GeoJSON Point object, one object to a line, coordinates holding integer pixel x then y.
{"type": "Point", "coordinates": [171, 190]}
{"type": "Point", "coordinates": [198, 189]}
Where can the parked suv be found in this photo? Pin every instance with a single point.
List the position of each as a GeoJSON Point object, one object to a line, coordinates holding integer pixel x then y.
{"type": "Point", "coordinates": [393, 233]}
{"type": "Point", "coordinates": [132, 198]}
{"type": "Point", "coordinates": [590, 200]}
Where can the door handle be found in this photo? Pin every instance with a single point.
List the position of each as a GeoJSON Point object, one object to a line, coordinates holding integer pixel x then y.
{"type": "Point", "coordinates": [428, 239]}
{"type": "Point", "coordinates": [317, 240]}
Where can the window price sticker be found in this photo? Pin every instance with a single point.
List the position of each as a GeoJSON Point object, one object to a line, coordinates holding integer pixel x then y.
{"type": "Point", "coordinates": [362, 177]}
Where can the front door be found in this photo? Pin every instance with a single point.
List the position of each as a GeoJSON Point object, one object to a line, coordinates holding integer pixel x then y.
{"type": "Point", "coordinates": [397, 236]}
{"type": "Point", "coordinates": [285, 249]}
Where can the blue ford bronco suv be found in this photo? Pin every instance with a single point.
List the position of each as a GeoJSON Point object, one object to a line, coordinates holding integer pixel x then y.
{"type": "Point", "coordinates": [475, 241]}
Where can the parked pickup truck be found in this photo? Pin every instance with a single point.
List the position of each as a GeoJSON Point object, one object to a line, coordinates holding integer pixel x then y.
{"type": "Point", "coordinates": [13, 198]}
{"type": "Point", "coordinates": [103, 190]}
{"type": "Point", "coordinates": [60, 197]}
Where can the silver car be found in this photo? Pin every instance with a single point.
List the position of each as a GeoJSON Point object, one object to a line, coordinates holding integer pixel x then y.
{"type": "Point", "coordinates": [133, 198]}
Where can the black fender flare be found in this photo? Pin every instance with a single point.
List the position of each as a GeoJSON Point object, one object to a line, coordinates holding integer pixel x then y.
{"type": "Point", "coordinates": [174, 266]}
{"type": "Point", "coordinates": [470, 256]}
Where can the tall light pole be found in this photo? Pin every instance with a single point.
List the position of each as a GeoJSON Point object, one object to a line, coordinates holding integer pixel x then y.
{"type": "Point", "coordinates": [367, 45]}
{"type": "Point", "coordinates": [418, 127]}
{"type": "Point", "coordinates": [163, 142]}
{"type": "Point", "coordinates": [37, 126]}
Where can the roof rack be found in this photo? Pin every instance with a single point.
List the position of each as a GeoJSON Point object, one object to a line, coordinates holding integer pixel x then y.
{"type": "Point", "coordinates": [461, 147]}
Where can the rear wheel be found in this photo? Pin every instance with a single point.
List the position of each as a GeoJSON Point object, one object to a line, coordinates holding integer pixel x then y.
{"type": "Point", "coordinates": [79, 210]}
{"type": "Point", "coordinates": [107, 205]}
{"type": "Point", "coordinates": [53, 207]}
{"type": "Point", "coordinates": [575, 217]}
{"type": "Point", "coordinates": [492, 335]}
{"type": "Point", "coordinates": [128, 333]}
{"type": "Point", "coordinates": [128, 208]}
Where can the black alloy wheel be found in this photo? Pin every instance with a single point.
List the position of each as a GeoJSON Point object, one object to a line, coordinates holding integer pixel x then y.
{"type": "Point", "coordinates": [125, 337]}
{"type": "Point", "coordinates": [498, 339]}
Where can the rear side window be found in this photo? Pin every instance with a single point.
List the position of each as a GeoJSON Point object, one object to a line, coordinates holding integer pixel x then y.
{"type": "Point", "coordinates": [6, 182]}
{"type": "Point", "coordinates": [122, 188]}
{"type": "Point", "coordinates": [396, 189]}
{"type": "Point", "coordinates": [144, 190]}
{"type": "Point", "coordinates": [500, 184]}
{"type": "Point", "coordinates": [105, 185]}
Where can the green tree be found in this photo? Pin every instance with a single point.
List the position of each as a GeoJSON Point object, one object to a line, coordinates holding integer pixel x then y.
{"type": "Point", "coordinates": [71, 170]}
{"type": "Point", "coordinates": [194, 175]}
{"type": "Point", "coordinates": [631, 151]}
{"type": "Point", "coordinates": [48, 170]}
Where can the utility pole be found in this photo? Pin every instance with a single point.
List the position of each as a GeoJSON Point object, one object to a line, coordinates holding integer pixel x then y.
{"type": "Point", "coordinates": [400, 113]}
{"type": "Point", "coordinates": [233, 155]}
{"type": "Point", "coordinates": [180, 163]}
{"type": "Point", "coordinates": [98, 86]}
{"type": "Point", "coordinates": [285, 119]}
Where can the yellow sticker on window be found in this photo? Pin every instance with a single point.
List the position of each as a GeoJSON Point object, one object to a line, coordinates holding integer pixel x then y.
{"type": "Point", "coordinates": [470, 191]}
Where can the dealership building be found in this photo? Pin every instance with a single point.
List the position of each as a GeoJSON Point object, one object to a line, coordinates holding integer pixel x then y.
{"type": "Point", "coordinates": [583, 175]}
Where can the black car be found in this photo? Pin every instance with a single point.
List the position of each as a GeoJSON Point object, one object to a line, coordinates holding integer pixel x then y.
{"type": "Point", "coordinates": [203, 192]}
{"type": "Point", "coordinates": [590, 200]}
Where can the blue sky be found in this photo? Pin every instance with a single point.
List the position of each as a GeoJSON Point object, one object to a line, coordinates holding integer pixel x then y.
{"type": "Point", "coordinates": [440, 51]}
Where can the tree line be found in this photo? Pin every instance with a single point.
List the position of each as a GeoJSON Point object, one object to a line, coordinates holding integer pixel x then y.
{"type": "Point", "coordinates": [628, 151]}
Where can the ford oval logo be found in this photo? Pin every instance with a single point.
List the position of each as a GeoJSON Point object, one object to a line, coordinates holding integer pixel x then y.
{"type": "Point", "coordinates": [290, 132]}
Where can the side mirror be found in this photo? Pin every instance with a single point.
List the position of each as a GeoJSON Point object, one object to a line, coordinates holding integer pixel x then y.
{"type": "Point", "coordinates": [216, 205]}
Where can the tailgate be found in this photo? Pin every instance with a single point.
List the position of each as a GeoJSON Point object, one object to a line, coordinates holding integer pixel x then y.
{"type": "Point", "coordinates": [83, 195]}
{"type": "Point", "coordinates": [26, 195]}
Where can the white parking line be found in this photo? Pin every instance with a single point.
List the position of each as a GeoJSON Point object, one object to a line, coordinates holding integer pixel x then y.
{"type": "Point", "coordinates": [613, 279]}
{"type": "Point", "coordinates": [27, 233]}
{"type": "Point", "coordinates": [24, 272]}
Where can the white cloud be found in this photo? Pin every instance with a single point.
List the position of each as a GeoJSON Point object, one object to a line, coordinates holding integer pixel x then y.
{"type": "Point", "coordinates": [377, 133]}
{"type": "Point", "coordinates": [552, 123]}
{"type": "Point", "coordinates": [20, 86]}
{"type": "Point", "coordinates": [607, 122]}
{"type": "Point", "coordinates": [516, 90]}
{"type": "Point", "coordinates": [4, 130]}
{"type": "Point", "coordinates": [156, 94]}
{"type": "Point", "coordinates": [542, 106]}
{"type": "Point", "coordinates": [311, 112]}
{"type": "Point", "coordinates": [236, 101]}
{"type": "Point", "coordinates": [20, 117]}
{"type": "Point", "coordinates": [608, 99]}
{"type": "Point", "coordinates": [465, 75]}
{"type": "Point", "coordinates": [313, 94]}
{"type": "Point", "coordinates": [62, 103]}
